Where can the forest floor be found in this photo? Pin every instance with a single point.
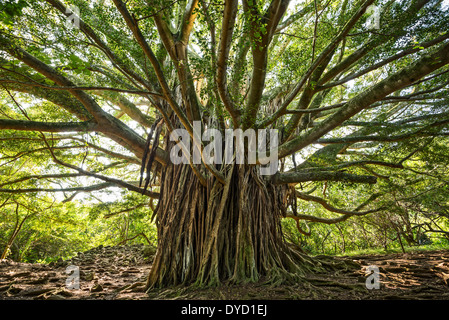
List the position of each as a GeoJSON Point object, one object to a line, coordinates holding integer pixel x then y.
{"type": "Point", "coordinates": [110, 273]}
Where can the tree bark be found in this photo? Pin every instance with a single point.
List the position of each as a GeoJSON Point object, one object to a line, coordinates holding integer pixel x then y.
{"type": "Point", "coordinates": [218, 233]}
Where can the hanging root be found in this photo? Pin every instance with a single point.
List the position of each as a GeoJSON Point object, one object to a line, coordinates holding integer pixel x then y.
{"type": "Point", "coordinates": [223, 233]}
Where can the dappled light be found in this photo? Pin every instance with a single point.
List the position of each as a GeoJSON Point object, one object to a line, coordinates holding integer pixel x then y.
{"type": "Point", "coordinates": [224, 149]}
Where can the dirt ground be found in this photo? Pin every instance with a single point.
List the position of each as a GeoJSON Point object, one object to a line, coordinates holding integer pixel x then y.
{"type": "Point", "coordinates": [118, 273]}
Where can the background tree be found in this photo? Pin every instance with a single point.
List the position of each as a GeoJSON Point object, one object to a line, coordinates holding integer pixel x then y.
{"type": "Point", "coordinates": [341, 92]}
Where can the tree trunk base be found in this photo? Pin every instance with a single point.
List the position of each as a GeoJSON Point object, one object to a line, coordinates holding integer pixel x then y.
{"type": "Point", "coordinates": [224, 233]}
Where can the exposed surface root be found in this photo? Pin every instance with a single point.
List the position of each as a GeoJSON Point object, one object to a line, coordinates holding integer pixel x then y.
{"type": "Point", "coordinates": [120, 273]}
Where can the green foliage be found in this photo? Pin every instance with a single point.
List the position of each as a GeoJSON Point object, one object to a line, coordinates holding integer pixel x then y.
{"type": "Point", "coordinates": [10, 10]}
{"type": "Point", "coordinates": [415, 206]}
{"type": "Point", "coordinates": [64, 229]}
{"type": "Point", "coordinates": [63, 223]}
{"type": "Point", "coordinates": [414, 199]}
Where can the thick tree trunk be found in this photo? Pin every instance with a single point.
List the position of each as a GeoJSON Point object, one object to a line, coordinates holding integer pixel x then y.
{"type": "Point", "coordinates": [232, 232]}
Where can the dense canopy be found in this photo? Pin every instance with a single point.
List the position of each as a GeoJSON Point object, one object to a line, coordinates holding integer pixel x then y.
{"type": "Point", "coordinates": [357, 91]}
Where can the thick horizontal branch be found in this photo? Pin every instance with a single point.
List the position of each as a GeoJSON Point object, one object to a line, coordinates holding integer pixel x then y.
{"type": "Point", "coordinates": [351, 164]}
{"type": "Point", "coordinates": [127, 107]}
{"type": "Point", "coordinates": [42, 176]}
{"type": "Point", "coordinates": [317, 62]}
{"type": "Point", "coordinates": [388, 138]}
{"type": "Point", "coordinates": [50, 73]}
{"type": "Point", "coordinates": [25, 125]}
{"type": "Point", "coordinates": [328, 207]}
{"type": "Point", "coordinates": [110, 126]}
{"type": "Point", "coordinates": [384, 62]}
{"type": "Point", "coordinates": [117, 182]}
{"type": "Point", "coordinates": [83, 88]}
{"type": "Point", "coordinates": [62, 99]}
{"type": "Point", "coordinates": [417, 70]}
{"type": "Point", "coordinates": [329, 220]}
{"type": "Point", "coordinates": [312, 110]}
{"type": "Point", "coordinates": [91, 188]}
{"type": "Point", "coordinates": [345, 214]}
{"type": "Point", "coordinates": [296, 177]}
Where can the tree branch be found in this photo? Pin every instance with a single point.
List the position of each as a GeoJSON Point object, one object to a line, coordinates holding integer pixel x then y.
{"type": "Point", "coordinates": [188, 20]}
{"type": "Point", "coordinates": [384, 62]}
{"type": "Point", "coordinates": [323, 55]}
{"type": "Point", "coordinates": [227, 29]}
{"type": "Point", "coordinates": [89, 32]}
{"type": "Point", "coordinates": [95, 187]}
{"type": "Point", "coordinates": [42, 176]}
{"type": "Point", "coordinates": [25, 125]}
{"type": "Point", "coordinates": [140, 92]}
{"type": "Point", "coordinates": [398, 80]}
{"type": "Point", "coordinates": [132, 25]}
{"type": "Point", "coordinates": [297, 177]}
{"type": "Point", "coordinates": [112, 127]}
{"type": "Point", "coordinates": [345, 213]}
{"type": "Point", "coordinates": [261, 40]}
{"type": "Point", "coordinates": [330, 208]}
{"type": "Point", "coordinates": [386, 138]}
